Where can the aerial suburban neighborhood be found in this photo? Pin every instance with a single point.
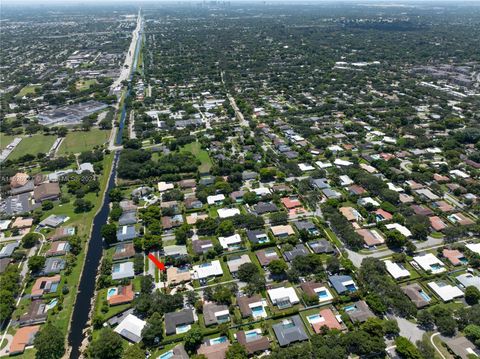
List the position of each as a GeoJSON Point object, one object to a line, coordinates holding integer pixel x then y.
{"type": "Point", "coordinates": [236, 179]}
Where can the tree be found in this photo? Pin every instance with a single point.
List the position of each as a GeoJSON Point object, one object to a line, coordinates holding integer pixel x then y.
{"type": "Point", "coordinates": [82, 205]}
{"type": "Point", "coordinates": [472, 295]}
{"type": "Point", "coordinates": [30, 239]}
{"type": "Point", "coordinates": [134, 352]}
{"type": "Point", "coordinates": [47, 205]}
{"type": "Point", "coordinates": [247, 271]}
{"type": "Point", "coordinates": [225, 228]}
{"type": "Point", "coordinates": [193, 339]}
{"type": "Point", "coordinates": [277, 267]}
{"type": "Point", "coordinates": [425, 348]}
{"type": "Point", "coordinates": [333, 264]}
{"type": "Point", "coordinates": [49, 342]}
{"type": "Point", "coordinates": [36, 263]}
{"type": "Point", "coordinates": [152, 333]}
{"type": "Point", "coordinates": [115, 195]}
{"type": "Point", "coordinates": [108, 345]}
{"type": "Point", "coordinates": [250, 198]}
{"type": "Point", "coordinates": [406, 350]}
{"type": "Point", "coordinates": [425, 319]}
{"type": "Point", "coordinates": [236, 351]}
{"type": "Point", "coordinates": [109, 233]}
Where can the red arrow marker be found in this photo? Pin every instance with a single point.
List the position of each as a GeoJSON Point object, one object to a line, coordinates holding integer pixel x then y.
{"type": "Point", "coordinates": [154, 259]}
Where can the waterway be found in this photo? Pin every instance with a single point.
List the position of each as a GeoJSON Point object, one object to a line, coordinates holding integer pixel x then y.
{"type": "Point", "coordinates": [86, 288]}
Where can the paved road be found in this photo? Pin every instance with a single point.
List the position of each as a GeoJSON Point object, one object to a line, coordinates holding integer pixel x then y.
{"type": "Point", "coordinates": [408, 329]}
{"type": "Point", "coordinates": [436, 348]}
{"type": "Point", "coordinates": [4, 351]}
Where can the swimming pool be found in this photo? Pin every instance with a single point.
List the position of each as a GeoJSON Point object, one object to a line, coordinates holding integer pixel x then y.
{"type": "Point", "coordinates": [315, 318]}
{"type": "Point", "coordinates": [351, 287]}
{"type": "Point", "coordinates": [323, 294]}
{"type": "Point", "coordinates": [111, 292]}
{"type": "Point", "coordinates": [251, 335]}
{"type": "Point", "coordinates": [166, 355]}
{"type": "Point", "coordinates": [350, 308]}
{"type": "Point", "coordinates": [116, 268]}
{"type": "Point", "coordinates": [183, 328]}
{"type": "Point", "coordinates": [258, 311]}
{"type": "Point", "coordinates": [52, 304]}
{"type": "Point", "coordinates": [435, 266]}
{"type": "Point", "coordinates": [218, 340]}
{"type": "Point", "coordinates": [288, 323]}
{"type": "Point", "coordinates": [424, 295]}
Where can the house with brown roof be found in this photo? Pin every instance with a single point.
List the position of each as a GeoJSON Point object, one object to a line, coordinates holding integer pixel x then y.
{"type": "Point", "coordinates": [214, 351]}
{"type": "Point", "coordinates": [20, 179]}
{"type": "Point", "coordinates": [421, 210]}
{"type": "Point", "coordinates": [325, 318]}
{"type": "Point", "coordinates": [351, 214]}
{"type": "Point", "coordinates": [417, 295]}
{"type": "Point", "coordinates": [37, 313]}
{"type": "Point", "coordinates": [317, 290]}
{"type": "Point", "coordinates": [44, 285]}
{"type": "Point", "coordinates": [461, 219]}
{"type": "Point", "coordinates": [248, 305]}
{"type": "Point", "coordinates": [178, 275]}
{"type": "Point", "coordinates": [454, 256]}
{"type": "Point", "coordinates": [22, 222]}
{"type": "Point", "coordinates": [443, 206]}
{"type": "Point", "coordinates": [382, 215]}
{"type": "Point", "coordinates": [123, 251]}
{"type": "Point", "coordinates": [58, 248]}
{"type": "Point", "coordinates": [291, 202]}
{"type": "Point", "coordinates": [46, 191]}
{"type": "Point", "coordinates": [437, 223]}
{"type": "Point", "coordinates": [62, 232]}
{"type": "Point", "coordinates": [356, 190]}
{"type": "Point", "coordinates": [266, 256]}
{"type": "Point", "coordinates": [253, 341]}
{"type": "Point", "coordinates": [371, 237]}
{"type": "Point", "coordinates": [22, 339]}
{"type": "Point", "coordinates": [120, 295]}
{"type": "Point", "coordinates": [282, 231]}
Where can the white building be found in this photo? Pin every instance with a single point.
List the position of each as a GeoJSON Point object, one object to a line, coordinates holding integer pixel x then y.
{"type": "Point", "coordinates": [230, 242]}
{"type": "Point", "coordinates": [445, 291]}
{"type": "Point", "coordinates": [396, 270]}
{"type": "Point", "coordinates": [207, 270]}
{"type": "Point", "coordinates": [342, 163]}
{"type": "Point", "coordinates": [474, 247]}
{"type": "Point", "coordinates": [227, 212]}
{"type": "Point", "coordinates": [216, 199]}
{"type": "Point", "coordinates": [164, 186]}
{"type": "Point", "coordinates": [428, 262]}
{"type": "Point", "coordinates": [345, 180]}
{"type": "Point", "coordinates": [283, 296]}
{"type": "Point", "coordinates": [400, 228]}
{"type": "Point", "coordinates": [305, 167]}
{"type": "Point", "coordinates": [131, 328]}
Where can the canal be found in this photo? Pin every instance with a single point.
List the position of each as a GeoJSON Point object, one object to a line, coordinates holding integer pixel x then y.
{"type": "Point", "coordinates": [86, 288]}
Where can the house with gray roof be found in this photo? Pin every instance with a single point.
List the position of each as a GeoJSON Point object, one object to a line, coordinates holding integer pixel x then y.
{"type": "Point", "coordinates": [320, 246]}
{"type": "Point", "coordinates": [215, 314]}
{"type": "Point", "coordinates": [468, 279]}
{"type": "Point", "coordinates": [359, 312]}
{"type": "Point", "coordinates": [53, 221]}
{"type": "Point", "coordinates": [298, 250]}
{"type": "Point", "coordinates": [53, 265]}
{"type": "Point", "coordinates": [126, 233]}
{"type": "Point", "coordinates": [127, 218]}
{"type": "Point", "coordinates": [320, 183]}
{"type": "Point", "coordinates": [290, 330]}
{"type": "Point", "coordinates": [37, 313]}
{"type": "Point", "coordinates": [177, 322]}
{"type": "Point", "coordinates": [265, 207]}
{"type": "Point", "coordinates": [8, 249]}
{"type": "Point", "coordinates": [257, 237]}
{"type": "Point", "coordinates": [175, 250]}
{"type": "Point", "coordinates": [330, 193]}
{"type": "Point", "coordinates": [306, 225]}
{"type": "Point", "coordinates": [342, 283]}
{"type": "Point", "coordinates": [122, 270]}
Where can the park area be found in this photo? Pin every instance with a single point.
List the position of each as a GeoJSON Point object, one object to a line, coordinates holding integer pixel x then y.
{"type": "Point", "coordinates": [32, 145]}
{"type": "Point", "coordinates": [202, 155]}
{"type": "Point", "coordinates": [80, 141]}
{"type": "Point", "coordinates": [82, 85]}
{"type": "Point", "coordinates": [26, 90]}
{"type": "Point", "coordinates": [5, 140]}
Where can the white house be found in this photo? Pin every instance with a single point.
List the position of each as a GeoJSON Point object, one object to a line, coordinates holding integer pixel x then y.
{"type": "Point", "coordinates": [207, 270]}
{"type": "Point", "coordinates": [474, 247]}
{"type": "Point", "coordinates": [445, 291]}
{"type": "Point", "coordinates": [131, 328]}
{"type": "Point", "coordinates": [345, 180]}
{"type": "Point", "coordinates": [342, 163]}
{"type": "Point", "coordinates": [305, 167]}
{"type": "Point", "coordinates": [227, 212]}
{"type": "Point", "coordinates": [216, 199]}
{"type": "Point", "coordinates": [396, 270]}
{"type": "Point", "coordinates": [400, 228]}
{"type": "Point", "coordinates": [283, 297]}
{"type": "Point", "coordinates": [230, 242]}
{"type": "Point", "coordinates": [428, 262]}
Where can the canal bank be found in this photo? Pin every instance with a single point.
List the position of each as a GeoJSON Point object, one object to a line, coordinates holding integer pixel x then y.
{"type": "Point", "coordinates": [86, 288]}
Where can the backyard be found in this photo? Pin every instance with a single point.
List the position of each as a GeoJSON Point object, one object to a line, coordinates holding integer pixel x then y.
{"type": "Point", "coordinates": [80, 141]}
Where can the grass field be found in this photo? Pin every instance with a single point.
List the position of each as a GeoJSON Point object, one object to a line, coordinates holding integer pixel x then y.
{"type": "Point", "coordinates": [201, 155]}
{"type": "Point", "coordinates": [85, 84]}
{"type": "Point", "coordinates": [33, 145]}
{"type": "Point", "coordinates": [80, 141]}
{"type": "Point", "coordinates": [5, 140]}
{"type": "Point", "coordinates": [27, 90]}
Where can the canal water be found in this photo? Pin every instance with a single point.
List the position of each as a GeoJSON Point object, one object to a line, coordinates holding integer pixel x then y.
{"type": "Point", "coordinates": [86, 289]}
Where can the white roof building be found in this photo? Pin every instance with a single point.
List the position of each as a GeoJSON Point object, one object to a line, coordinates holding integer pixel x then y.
{"type": "Point", "coordinates": [305, 167]}
{"type": "Point", "coordinates": [131, 328]}
{"type": "Point", "coordinates": [445, 291]}
{"type": "Point", "coordinates": [227, 212]}
{"type": "Point", "coordinates": [368, 200]}
{"type": "Point", "coordinates": [396, 270]}
{"type": "Point", "coordinates": [231, 241]}
{"type": "Point", "coordinates": [474, 247]}
{"type": "Point", "coordinates": [323, 165]}
{"type": "Point", "coordinates": [400, 228]}
{"type": "Point", "coordinates": [392, 187]}
{"type": "Point", "coordinates": [206, 270]}
{"type": "Point", "coordinates": [468, 279]}
{"type": "Point", "coordinates": [218, 198]}
{"type": "Point", "coordinates": [164, 186]}
{"type": "Point", "coordinates": [261, 191]}
{"type": "Point", "coordinates": [340, 162]}
{"type": "Point", "coordinates": [428, 262]}
{"type": "Point", "coordinates": [282, 294]}
{"type": "Point", "coordinates": [345, 180]}
{"type": "Point", "coordinates": [459, 174]}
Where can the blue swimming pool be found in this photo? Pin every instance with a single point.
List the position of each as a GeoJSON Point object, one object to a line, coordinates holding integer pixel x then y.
{"type": "Point", "coordinates": [251, 335]}
{"type": "Point", "coordinates": [424, 295]}
{"type": "Point", "coordinates": [435, 266]}
{"type": "Point", "coordinates": [218, 340]}
{"type": "Point", "coordinates": [166, 355]}
{"type": "Point", "coordinates": [258, 311]}
{"type": "Point", "coordinates": [111, 292]}
{"type": "Point", "coordinates": [314, 318]}
{"type": "Point", "coordinates": [323, 294]}
{"type": "Point", "coordinates": [351, 287]}
{"type": "Point", "coordinates": [350, 308]}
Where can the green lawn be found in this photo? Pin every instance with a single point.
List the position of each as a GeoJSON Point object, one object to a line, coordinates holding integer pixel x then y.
{"type": "Point", "coordinates": [82, 85]}
{"type": "Point", "coordinates": [33, 145]}
{"type": "Point", "coordinates": [27, 90]}
{"type": "Point", "coordinates": [5, 140]}
{"type": "Point", "coordinates": [201, 155]}
{"type": "Point", "coordinates": [80, 141]}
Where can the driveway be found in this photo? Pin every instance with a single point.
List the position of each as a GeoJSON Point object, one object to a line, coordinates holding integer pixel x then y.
{"type": "Point", "coordinates": [8, 338]}
{"type": "Point", "coordinates": [408, 329]}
